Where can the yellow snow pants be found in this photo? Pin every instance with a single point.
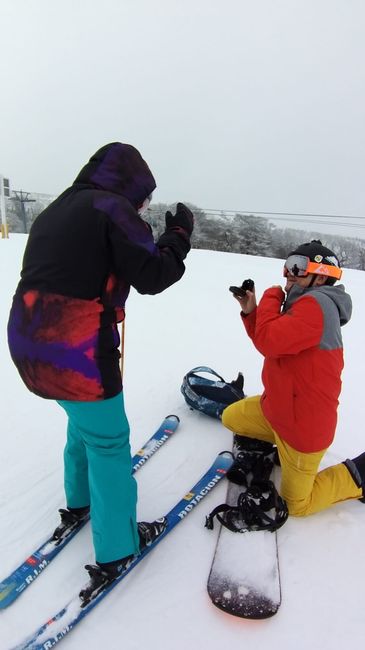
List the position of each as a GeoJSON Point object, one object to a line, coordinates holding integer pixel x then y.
{"type": "Point", "coordinates": [304, 489]}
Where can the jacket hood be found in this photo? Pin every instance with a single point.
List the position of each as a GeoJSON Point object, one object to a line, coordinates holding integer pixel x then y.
{"type": "Point", "coordinates": [336, 293]}
{"type": "Point", "coordinates": [119, 168]}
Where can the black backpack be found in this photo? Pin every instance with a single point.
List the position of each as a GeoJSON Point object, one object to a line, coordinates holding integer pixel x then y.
{"type": "Point", "coordinates": [210, 396]}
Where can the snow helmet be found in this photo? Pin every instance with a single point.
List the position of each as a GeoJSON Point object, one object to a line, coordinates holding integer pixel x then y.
{"type": "Point", "coordinates": [322, 258]}
{"type": "Point", "coordinates": [210, 396]}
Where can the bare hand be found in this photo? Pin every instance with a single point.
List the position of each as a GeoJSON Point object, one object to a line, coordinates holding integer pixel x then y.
{"type": "Point", "coordinates": [247, 302]}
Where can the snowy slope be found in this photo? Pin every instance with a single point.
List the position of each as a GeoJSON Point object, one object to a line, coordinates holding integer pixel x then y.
{"type": "Point", "coordinates": [163, 604]}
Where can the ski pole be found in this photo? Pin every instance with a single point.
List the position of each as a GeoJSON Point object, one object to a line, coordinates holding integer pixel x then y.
{"type": "Point", "coordinates": [122, 348]}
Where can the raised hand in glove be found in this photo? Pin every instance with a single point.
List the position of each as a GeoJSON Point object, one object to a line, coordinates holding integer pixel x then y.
{"type": "Point", "coordinates": [183, 219]}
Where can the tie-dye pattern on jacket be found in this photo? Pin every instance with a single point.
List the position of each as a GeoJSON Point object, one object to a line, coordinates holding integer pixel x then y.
{"type": "Point", "coordinates": [83, 254]}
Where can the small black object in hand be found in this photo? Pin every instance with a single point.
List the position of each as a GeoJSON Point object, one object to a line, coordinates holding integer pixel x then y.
{"type": "Point", "coordinates": [247, 285]}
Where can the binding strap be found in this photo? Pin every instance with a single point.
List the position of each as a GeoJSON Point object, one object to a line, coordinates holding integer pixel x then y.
{"type": "Point", "coordinates": [251, 467]}
{"type": "Point", "coordinates": [253, 510]}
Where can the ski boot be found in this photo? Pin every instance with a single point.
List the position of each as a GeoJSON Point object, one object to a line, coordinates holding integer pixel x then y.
{"type": "Point", "coordinates": [150, 531]}
{"type": "Point", "coordinates": [104, 573]}
{"type": "Point", "coordinates": [101, 576]}
{"type": "Point", "coordinates": [71, 519]}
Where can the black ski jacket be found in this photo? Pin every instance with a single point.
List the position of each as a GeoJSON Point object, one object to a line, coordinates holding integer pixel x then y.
{"type": "Point", "coordinates": [83, 254]}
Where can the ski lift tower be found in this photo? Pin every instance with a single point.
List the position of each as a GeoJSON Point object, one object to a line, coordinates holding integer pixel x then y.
{"type": "Point", "coordinates": [4, 194]}
{"type": "Point", "coordinates": [22, 198]}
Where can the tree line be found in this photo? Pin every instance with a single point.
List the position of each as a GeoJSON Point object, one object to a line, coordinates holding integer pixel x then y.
{"type": "Point", "coordinates": [242, 233]}
{"type": "Point", "coordinates": [254, 235]}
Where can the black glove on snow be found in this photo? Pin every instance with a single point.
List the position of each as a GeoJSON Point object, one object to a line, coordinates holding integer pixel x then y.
{"type": "Point", "coordinates": [183, 218]}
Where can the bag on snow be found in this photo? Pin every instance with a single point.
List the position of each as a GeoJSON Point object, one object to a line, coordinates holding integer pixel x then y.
{"type": "Point", "coordinates": [210, 396]}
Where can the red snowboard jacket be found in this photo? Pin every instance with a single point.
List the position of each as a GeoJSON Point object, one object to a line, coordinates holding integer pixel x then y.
{"type": "Point", "coordinates": [302, 346]}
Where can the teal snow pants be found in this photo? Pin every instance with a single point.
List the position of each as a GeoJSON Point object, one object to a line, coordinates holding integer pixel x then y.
{"type": "Point", "coordinates": [98, 472]}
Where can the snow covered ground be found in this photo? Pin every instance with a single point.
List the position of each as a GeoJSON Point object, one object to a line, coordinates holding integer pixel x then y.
{"type": "Point", "coordinates": [163, 604]}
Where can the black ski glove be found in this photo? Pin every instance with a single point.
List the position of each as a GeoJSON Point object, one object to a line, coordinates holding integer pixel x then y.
{"type": "Point", "coordinates": [183, 219]}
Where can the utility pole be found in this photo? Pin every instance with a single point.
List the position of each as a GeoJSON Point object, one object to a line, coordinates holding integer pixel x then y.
{"type": "Point", "coordinates": [23, 198]}
{"type": "Point", "coordinates": [4, 193]}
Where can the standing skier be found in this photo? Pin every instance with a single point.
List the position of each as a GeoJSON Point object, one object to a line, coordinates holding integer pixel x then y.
{"type": "Point", "coordinates": [83, 254]}
{"type": "Point", "coordinates": [300, 338]}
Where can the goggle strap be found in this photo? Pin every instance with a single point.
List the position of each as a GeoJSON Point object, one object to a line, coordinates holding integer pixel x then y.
{"type": "Point", "coordinates": [324, 269]}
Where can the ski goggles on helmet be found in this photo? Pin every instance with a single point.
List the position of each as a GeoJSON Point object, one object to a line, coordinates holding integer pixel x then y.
{"type": "Point", "coordinates": [300, 266]}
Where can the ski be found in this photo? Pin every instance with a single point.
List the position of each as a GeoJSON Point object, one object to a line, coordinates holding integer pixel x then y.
{"type": "Point", "coordinates": [71, 614]}
{"type": "Point", "coordinates": [23, 576]}
{"type": "Point", "coordinates": [245, 579]}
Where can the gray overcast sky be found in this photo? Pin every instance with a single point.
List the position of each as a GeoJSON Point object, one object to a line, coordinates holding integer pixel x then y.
{"type": "Point", "coordinates": [235, 104]}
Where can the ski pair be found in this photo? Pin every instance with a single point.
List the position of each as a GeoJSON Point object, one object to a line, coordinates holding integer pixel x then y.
{"type": "Point", "coordinates": [23, 576]}
{"type": "Point", "coordinates": [47, 635]}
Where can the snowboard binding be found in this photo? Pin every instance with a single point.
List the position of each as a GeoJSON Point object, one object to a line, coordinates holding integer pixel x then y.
{"type": "Point", "coordinates": [250, 468]}
{"type": "Point", "coordinates": [260, 507]}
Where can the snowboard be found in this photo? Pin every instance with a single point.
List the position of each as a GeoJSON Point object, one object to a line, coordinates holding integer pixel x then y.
{"type": "Point", "coordinates": [245, 578]}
